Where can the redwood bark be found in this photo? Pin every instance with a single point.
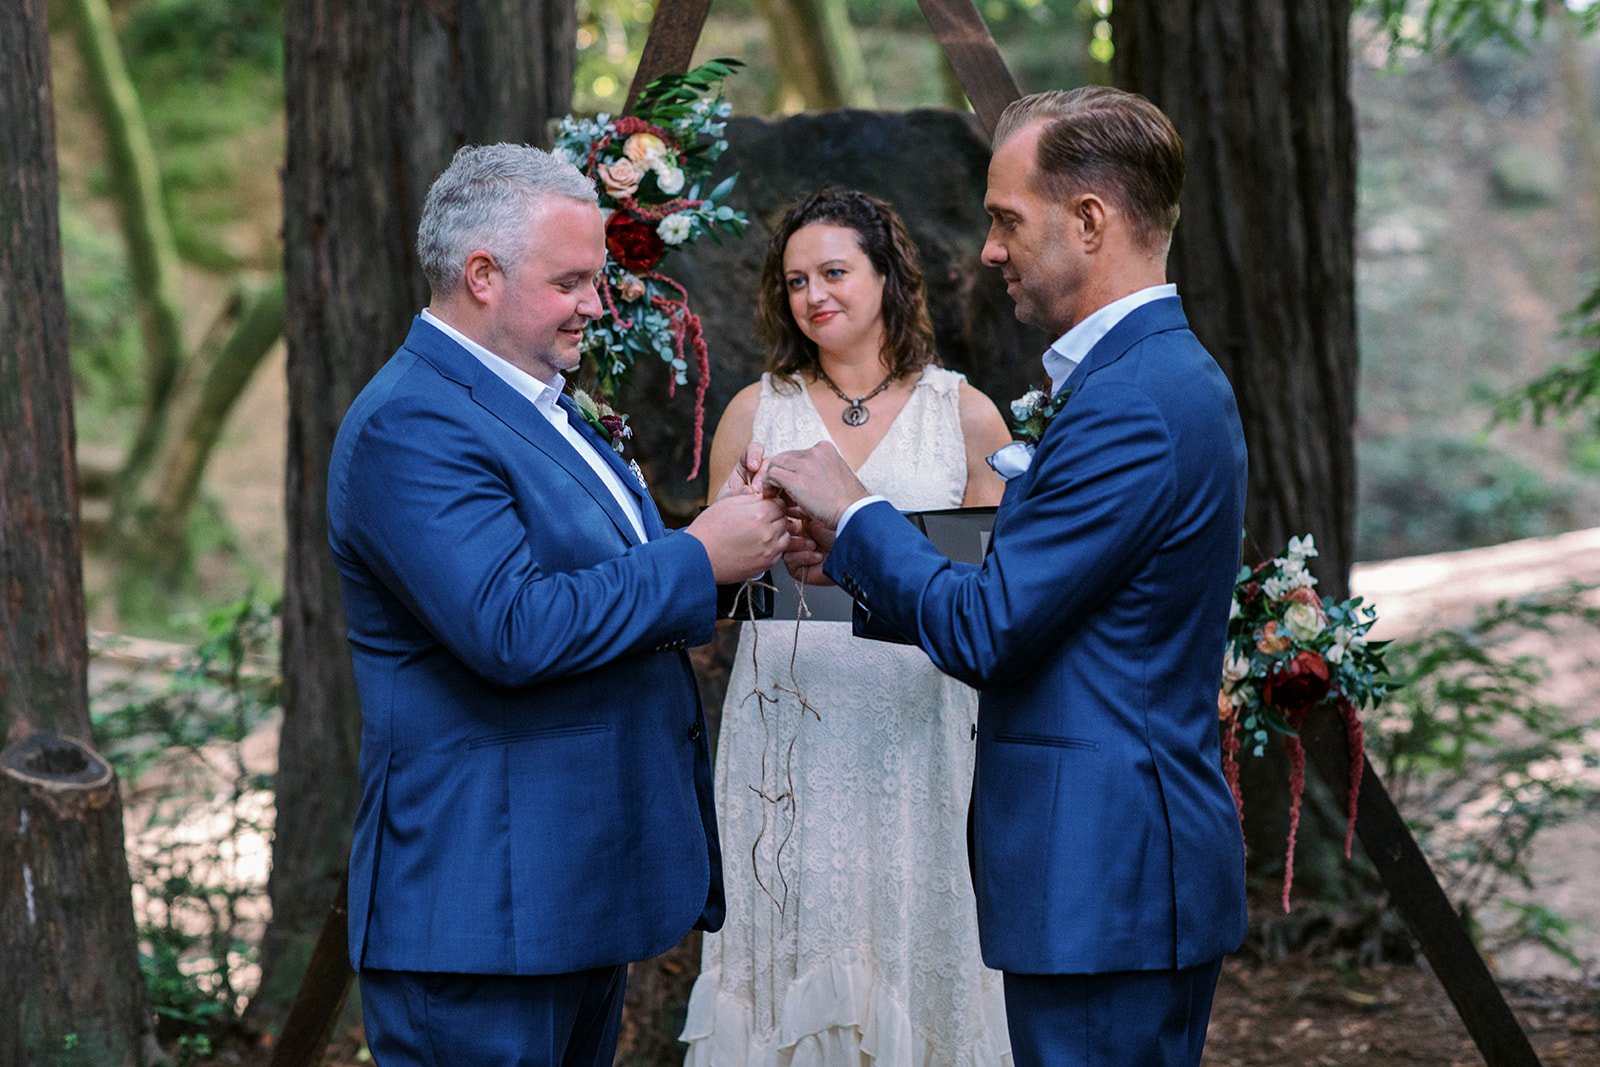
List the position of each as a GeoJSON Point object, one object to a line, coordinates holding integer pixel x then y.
{"type": "Point", "coordinates": [71, 986]}
{"type": "Point", "coordinates": [380, 95]}
{"type": "Point", "coordinates": [1265, 252]}
{"type": "Point", "coordinates": [68, 959]}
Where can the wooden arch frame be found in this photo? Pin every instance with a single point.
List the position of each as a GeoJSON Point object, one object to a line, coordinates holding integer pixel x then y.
{"type": "Point", "coordinates": [676, 26]}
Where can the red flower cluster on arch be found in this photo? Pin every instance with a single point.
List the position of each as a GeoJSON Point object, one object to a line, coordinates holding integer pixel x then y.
{"type": "Point", "coordinates": [1289, 653]}
{"type": "Point", "coordinates": [649, 168]}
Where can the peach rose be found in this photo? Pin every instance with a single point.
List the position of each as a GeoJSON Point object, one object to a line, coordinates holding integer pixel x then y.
{"type": "Point", "coordinates": [621, 178]}
{"type": "Point", "coordinates": [644, 148]}
{"type": "Point", "coordinates": [630, 287]}
{"type": "Point", "coordinates": [1269, 640]}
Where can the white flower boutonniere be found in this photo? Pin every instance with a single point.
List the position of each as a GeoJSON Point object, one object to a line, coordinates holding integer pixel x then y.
{"type": "Point", "coordinates": [1030, 414]}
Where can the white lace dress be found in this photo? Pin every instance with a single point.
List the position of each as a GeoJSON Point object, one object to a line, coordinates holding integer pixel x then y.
{"type": "Point", "coordinates": [851, 935]}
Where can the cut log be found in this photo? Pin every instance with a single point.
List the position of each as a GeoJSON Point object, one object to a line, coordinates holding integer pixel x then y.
{"type": "Point", "coordinates": [64, 909]}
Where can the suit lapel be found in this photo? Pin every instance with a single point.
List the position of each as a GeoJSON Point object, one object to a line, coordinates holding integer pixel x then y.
{"type": "Point", "coordinates": [512, 408]}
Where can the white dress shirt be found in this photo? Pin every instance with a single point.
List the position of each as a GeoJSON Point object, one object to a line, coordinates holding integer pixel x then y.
{"type": "Point", "coordinates": [543, 398]}
{"type": "Point", "coordinates": [1068, 350]}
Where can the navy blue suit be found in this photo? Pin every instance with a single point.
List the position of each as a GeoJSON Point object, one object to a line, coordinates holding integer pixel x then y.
{"type": "Point", "coordinates": [535, 776]}
{"type": "Point", "coordinates": [1104, 836]}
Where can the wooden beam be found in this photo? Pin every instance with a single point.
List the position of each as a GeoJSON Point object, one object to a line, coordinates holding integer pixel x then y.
{"type": "Point", "coordinates": [1420, 900]}
{"type": "Point", "coordinates": [309, 1026]}
{"type": "Point", "coordinates": [674, 31]}
{"type": "Point", "coordinates": [973, 55]}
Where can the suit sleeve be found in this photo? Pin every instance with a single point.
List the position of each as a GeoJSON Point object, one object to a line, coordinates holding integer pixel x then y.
{"type": "Point", "coordinates": [1093, 511]}
{"type": "Point", "coordinates": [428, 511]}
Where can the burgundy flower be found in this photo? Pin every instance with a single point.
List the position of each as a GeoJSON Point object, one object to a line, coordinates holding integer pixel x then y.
{"type": "Point", "coordinates": [633, 242]}
{"type": "Point", "coordinates": [616, 426]}
{"type": "Point", "coordinates": [1298, 685]}
{"type": "Point", "coordinates": [1249, 593]}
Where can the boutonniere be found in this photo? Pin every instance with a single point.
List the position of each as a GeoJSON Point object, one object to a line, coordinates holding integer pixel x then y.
{"type": "Point", "coordinates": [606, 422]}
{"type": "Point", "coordinates": [1032, 411]}
{"type": "Point", "coordinates": [610, 425]}
{"type": "Point", "coordinates": [1030, 414]}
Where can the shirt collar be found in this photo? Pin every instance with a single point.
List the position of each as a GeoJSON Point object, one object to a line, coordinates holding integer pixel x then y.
{"type": "Point", "coordinates": [1063, 357]}
{"type": "Point", "coordinates": [542, 395]}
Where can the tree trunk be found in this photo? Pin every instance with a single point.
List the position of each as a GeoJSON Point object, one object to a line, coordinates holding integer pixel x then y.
{"type": "Point", "coordinates": [69, 970]}
{"type": "Point", "coordinates": [819, 59]}
{"type": "Point", "coordinates": [136, 189]}
{"type": "Point", "coordinates": [1265, 253]}
{"type": "Point", "coordinates": [380, 95]}
{"type": "Point", "coordinates": [154, 542]}
{"type": "Point", "coordinates": [66, 921]}
{"type": "Point", "coordinates": [1264, 258]}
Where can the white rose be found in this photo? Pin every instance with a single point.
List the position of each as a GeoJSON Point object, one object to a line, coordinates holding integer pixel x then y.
{"type": "Point", "coordinates": [669, 179]}
{"type": "Point", "coordinates": [674, 229]}
{"type": "Point", "coordinates": [1025, 404]}
{"type": "Point", "coordinates": [1304, 621]}
{"type": "Point", "coordinates": [1235, 668]}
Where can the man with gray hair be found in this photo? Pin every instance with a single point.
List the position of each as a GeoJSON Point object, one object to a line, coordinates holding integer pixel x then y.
{"type": "Point", "coordinates": [535, 776]}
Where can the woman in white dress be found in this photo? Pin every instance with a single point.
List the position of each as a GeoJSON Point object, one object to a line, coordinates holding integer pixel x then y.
{"type": "Point", "coordinates": [844, 766]}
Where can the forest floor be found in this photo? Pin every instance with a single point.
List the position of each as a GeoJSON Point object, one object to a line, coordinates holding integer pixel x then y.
{"type": "Point", "coordinates": [1300, 1012]}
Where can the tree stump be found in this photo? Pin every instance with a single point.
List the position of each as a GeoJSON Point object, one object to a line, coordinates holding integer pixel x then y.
{"type": "Point", "coordinates": [65, 917]}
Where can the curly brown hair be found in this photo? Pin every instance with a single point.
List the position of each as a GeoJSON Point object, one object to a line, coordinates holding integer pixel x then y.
{"type": "Point", "coordinates": [907, 329]}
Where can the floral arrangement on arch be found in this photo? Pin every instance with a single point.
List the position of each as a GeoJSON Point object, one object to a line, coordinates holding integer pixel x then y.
{"type": "Point", "coordinates": [1290, 652]}
{"type": "Point", "coordinates": [649, 168]}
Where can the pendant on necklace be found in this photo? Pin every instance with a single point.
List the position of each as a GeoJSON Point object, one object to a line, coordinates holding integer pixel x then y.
{"type": "Point", "coordinates": [856, 414]}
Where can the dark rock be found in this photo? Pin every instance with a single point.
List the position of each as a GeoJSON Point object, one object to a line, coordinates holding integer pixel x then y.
{"type": "Point", "coordinates": [932, 166]}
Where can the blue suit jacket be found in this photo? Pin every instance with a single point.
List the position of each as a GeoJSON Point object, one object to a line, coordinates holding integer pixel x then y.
{"type": "Point", "coordinates": [535, 776]}
{"type": "Point", "coordinates": [1104, 836]}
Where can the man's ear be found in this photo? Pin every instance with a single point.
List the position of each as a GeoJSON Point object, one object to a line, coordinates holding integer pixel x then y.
{"type": "Point", "coordinates": [1090, 216]}
{"type": "Point", "coordinates": [482, 275]}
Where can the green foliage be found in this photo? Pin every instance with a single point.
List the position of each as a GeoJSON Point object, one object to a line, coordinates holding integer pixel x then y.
{"type": "Point", "coordinates": [1450, 26]}
{"type": "Point", "coordinates": [1570, 386]}
{"type": "Point", "coordinates": [205, 37]}
{"type": "Point", "coordinates": [200, 815]}
{"type": "Point", "coordinates": [1480, 764]}
{"type": "Point", "coordinates": [1425, 493]}
{"type": "Point", "coordinates": [102, 322]}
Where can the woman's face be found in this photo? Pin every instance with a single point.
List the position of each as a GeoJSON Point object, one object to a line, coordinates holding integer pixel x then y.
{"type": "Point", "coordinates": [835, 294]}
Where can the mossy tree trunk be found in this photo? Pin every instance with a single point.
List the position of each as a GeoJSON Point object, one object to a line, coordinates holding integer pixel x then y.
{"type": "Point", "coordinates": [69, 974]}
{"type": "Point", "coordinates": [819, 58]}
{"type": "Point", "coordinates": [380, 95]}
{"type": "Point", "coordinates": [187, 395]}
{"type": "Point", "coordinates": [1264, 258]}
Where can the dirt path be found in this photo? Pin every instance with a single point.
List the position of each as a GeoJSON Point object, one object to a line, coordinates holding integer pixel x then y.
{"type": "Point", "coordinates": [1425, 592]}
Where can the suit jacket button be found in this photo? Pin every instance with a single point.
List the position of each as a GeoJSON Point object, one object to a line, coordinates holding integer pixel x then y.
{"type": "Point", "coordinates": [694, 732]}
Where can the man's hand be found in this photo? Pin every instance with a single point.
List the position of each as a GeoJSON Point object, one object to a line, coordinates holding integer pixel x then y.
{"type": "Point", "coordinates": [744, 478]}
{"type": "Point", "coordinates": [808, 550]}
{"type": "Point", "coordinates": [743, 534]}
{"type": "Point", "coordinates": [818, 481]}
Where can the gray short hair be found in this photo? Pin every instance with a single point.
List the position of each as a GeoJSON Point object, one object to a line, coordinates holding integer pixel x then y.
{"type": "Point", "coordinates": [484, 200]}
